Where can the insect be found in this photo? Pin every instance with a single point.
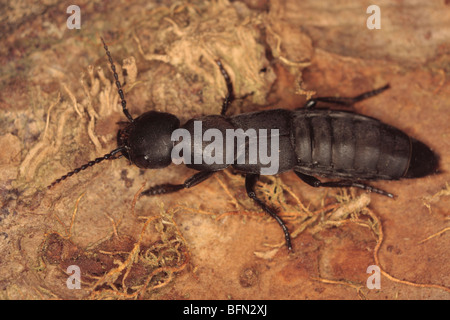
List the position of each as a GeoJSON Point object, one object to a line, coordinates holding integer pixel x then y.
{"type": "Point", "coordinates": [341, 145]}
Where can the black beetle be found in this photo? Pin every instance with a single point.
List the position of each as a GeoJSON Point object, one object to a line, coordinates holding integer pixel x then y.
{"type": "Point", "coordinates": [328, 143]}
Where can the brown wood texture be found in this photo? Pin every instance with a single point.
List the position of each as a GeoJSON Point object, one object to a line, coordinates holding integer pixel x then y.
{"type": "Point", "coordinates": [59, 109]}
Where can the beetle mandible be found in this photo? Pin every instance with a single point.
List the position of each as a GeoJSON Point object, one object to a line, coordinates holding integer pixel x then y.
{"type": "Point", "coordinates": [312, 142]}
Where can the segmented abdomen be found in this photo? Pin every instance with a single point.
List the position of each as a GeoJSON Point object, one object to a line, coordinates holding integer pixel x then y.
{"type": "Point", "coordinates": [343, 144]}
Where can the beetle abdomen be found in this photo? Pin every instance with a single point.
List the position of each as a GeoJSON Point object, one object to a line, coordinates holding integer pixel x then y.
{"type": "Point", "coordinates": [339, 144]}
{"type": "Point", "coordinates": [423, 161]}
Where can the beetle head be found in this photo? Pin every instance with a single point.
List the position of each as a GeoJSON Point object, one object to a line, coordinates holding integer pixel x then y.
{"type": "Point", "coordinates": [147, 140]}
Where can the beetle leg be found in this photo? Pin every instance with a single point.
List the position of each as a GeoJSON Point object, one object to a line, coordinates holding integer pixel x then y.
{"type": "Point", "coordinates": [344, 101]}
{"type": "Point", "coordinates": [169, 188]}
{"type": "Point", "coordinates": [230, 95]}
{"type": "Point", "coordinates": [250, 182]}
{"type": "Point", "coordinates": [314, 182]}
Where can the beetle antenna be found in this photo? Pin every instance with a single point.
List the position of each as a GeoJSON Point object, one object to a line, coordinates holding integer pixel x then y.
{"type": "Point", "coordinates": [87, 165]}
{"type": "Point", "coordinates": [119, 87]}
